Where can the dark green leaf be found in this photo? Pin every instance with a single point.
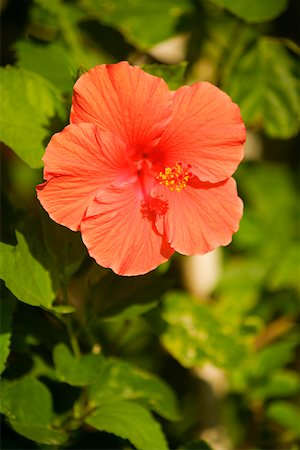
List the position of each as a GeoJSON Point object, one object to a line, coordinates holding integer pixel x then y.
{"type": "Point", "coordinates": [24, 276]}
{"type": "Point", "coordinates": [76, 371]}
{"type": "Point", "coordinates": [119, 380]}
{"type": "Point", "coordinates": [28, 102]}
{"type": "Point", "coordinates": [129, 421]}
{"type": "Point", "coordinates": [27, 404]}
{"type": "Point", "coordinates": [264, 83]}
{"type": "Point", "coordinates": [196, 445]}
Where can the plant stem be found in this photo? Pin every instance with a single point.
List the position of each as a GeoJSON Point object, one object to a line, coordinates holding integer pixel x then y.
{"type": "Point", "coordinates": [68, 318]}
{"type": "Point", "coordinates": [72, 337]}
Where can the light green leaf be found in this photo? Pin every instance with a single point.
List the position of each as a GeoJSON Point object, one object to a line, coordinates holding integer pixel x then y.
{"type": "Point", "coordinates": [63, 309]}
{"type": "Point", "coordinates": [253, 11]}
{"type": "Point", "coordinates": [27, 404]}
{"type": "Point", "coordinates": [28, 102]}
{"type": "Point", "coordinates": [120, 380]}
{"type": "Point", "coordinates": [264, 83]}
{"type": "Point", "coordinates": [7, 307]}
{"type": "Point", "coordinates": [52, 61]}
{"type": "Point", "coordinates": [140, 21]}
{"type": "Point", "coordinates": [285, 414]}
{"type": "Point", "coordinates": [129, 421]}
{"type": "Point", "coordinates": [24, 276]}
{"type": "Point", "coordinates": [76, 371]}
{"type": "Point", "coordinates": [172, 74]}
{"type": "Point", "coordinates": [196, 335]}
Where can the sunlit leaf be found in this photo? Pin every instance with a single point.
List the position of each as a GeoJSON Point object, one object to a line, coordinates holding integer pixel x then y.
{"type": "Point", "coordinates": [28, 102]}
{"type": "Point", "coordinates": [7, 307]}
{"type": "Point", "coordinates": [264, 83]}
{"type": "Point", "coordinates": [121, 381]}
{"type": "Point", "coordinates": [129, 421]}
{"type": "Point", "coordinates": [76, 371]}
{"type": "Point", "coordinates": [254, 10]}
{"type": "Point", "coordinates": [196, 335]}
{"type": "Point", "coordinates": [24, 276]}
{"type": "Point", "coordinates": [142, 23]}
{"type": "Point", "coordinates": [27, 404]}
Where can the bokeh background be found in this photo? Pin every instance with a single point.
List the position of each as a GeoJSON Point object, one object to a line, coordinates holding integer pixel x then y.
{"type": "Point", "coordinates": [220, 331]}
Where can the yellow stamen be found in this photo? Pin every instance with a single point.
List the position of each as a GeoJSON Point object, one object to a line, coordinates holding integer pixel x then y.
{"type": "Point", "coordinates": [175, 178]}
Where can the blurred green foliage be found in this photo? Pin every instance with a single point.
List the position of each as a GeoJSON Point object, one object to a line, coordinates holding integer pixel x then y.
{"type": "Point", "coordinates": [92, 360]}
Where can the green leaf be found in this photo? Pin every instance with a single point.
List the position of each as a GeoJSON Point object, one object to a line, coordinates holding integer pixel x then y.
{"type": "Point", "coordinates": [60, 18]}
{"type": "Point", "coordinates": [129, 421]}
{"type": "Point", "coordinates": [196, 335]}
{"type": "Point", "coordinates": [76, 371]}
{"type": "Point", "coordinates": [285, 414]}
{"type": "Point", "coordinates": [266, 188]}
{"type": "Point", "coordinates": [27, 404]}
{"type": "Point", "coordinates": [63, 309]}
{"type": "Point", "coordinates": [7, 307]}
{"type": "Point", "coordinates": [52, 61]}
{"type": "Point", "coordinates": [274, 356]}
{"type": "Point", "coordinates": [131, 312]}
{"type": "Point", "coordinates": [196, 445]}
{"type": "Point", "coordinates": [24, 276]}
{"type": "Point", "coordinates": [253, 11]}
{"type": "Point", "coordinates": [172, 74]}
{"type": "Point", "coordinates": [119, 380]}
{"type": "Point", "coordinates": [282, 383]}
{"type": "Point", "coordinates": [263, 81]}
{"type": "Point", "coordinates": [286, 274]}
{"type": "Point", "coordinates": [239, 286]}
{"type": "Point", "coordinates": [28, 102]}
{"type": "Point", "coordinates": [132, 18]}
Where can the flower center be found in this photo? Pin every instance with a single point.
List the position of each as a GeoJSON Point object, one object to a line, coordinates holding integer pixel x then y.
{"type": "Point", "coordinates": [175, 178]}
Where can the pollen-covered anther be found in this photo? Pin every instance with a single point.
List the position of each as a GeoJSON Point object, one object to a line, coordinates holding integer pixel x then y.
{"type": "Point", "coordinates": [175, 178]}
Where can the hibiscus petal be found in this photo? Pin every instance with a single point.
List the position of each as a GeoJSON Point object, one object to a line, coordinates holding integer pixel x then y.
{"type": "Point", "coordinates": [206, 131]}
{"type": "Point", "coordinates": [118, 232]}
{"type": "Point", "coordinates": [84, 150]}
{"type": "Point", "coordinates": [124, 100]}
{"type": "Point", "coordinates": [201, 217]}
{"type": "Point", "coordinates": [79, 161]}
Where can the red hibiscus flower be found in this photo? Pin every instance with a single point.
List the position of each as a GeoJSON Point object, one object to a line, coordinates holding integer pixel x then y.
{"type": "Point", "coordinates": [142, 171]}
